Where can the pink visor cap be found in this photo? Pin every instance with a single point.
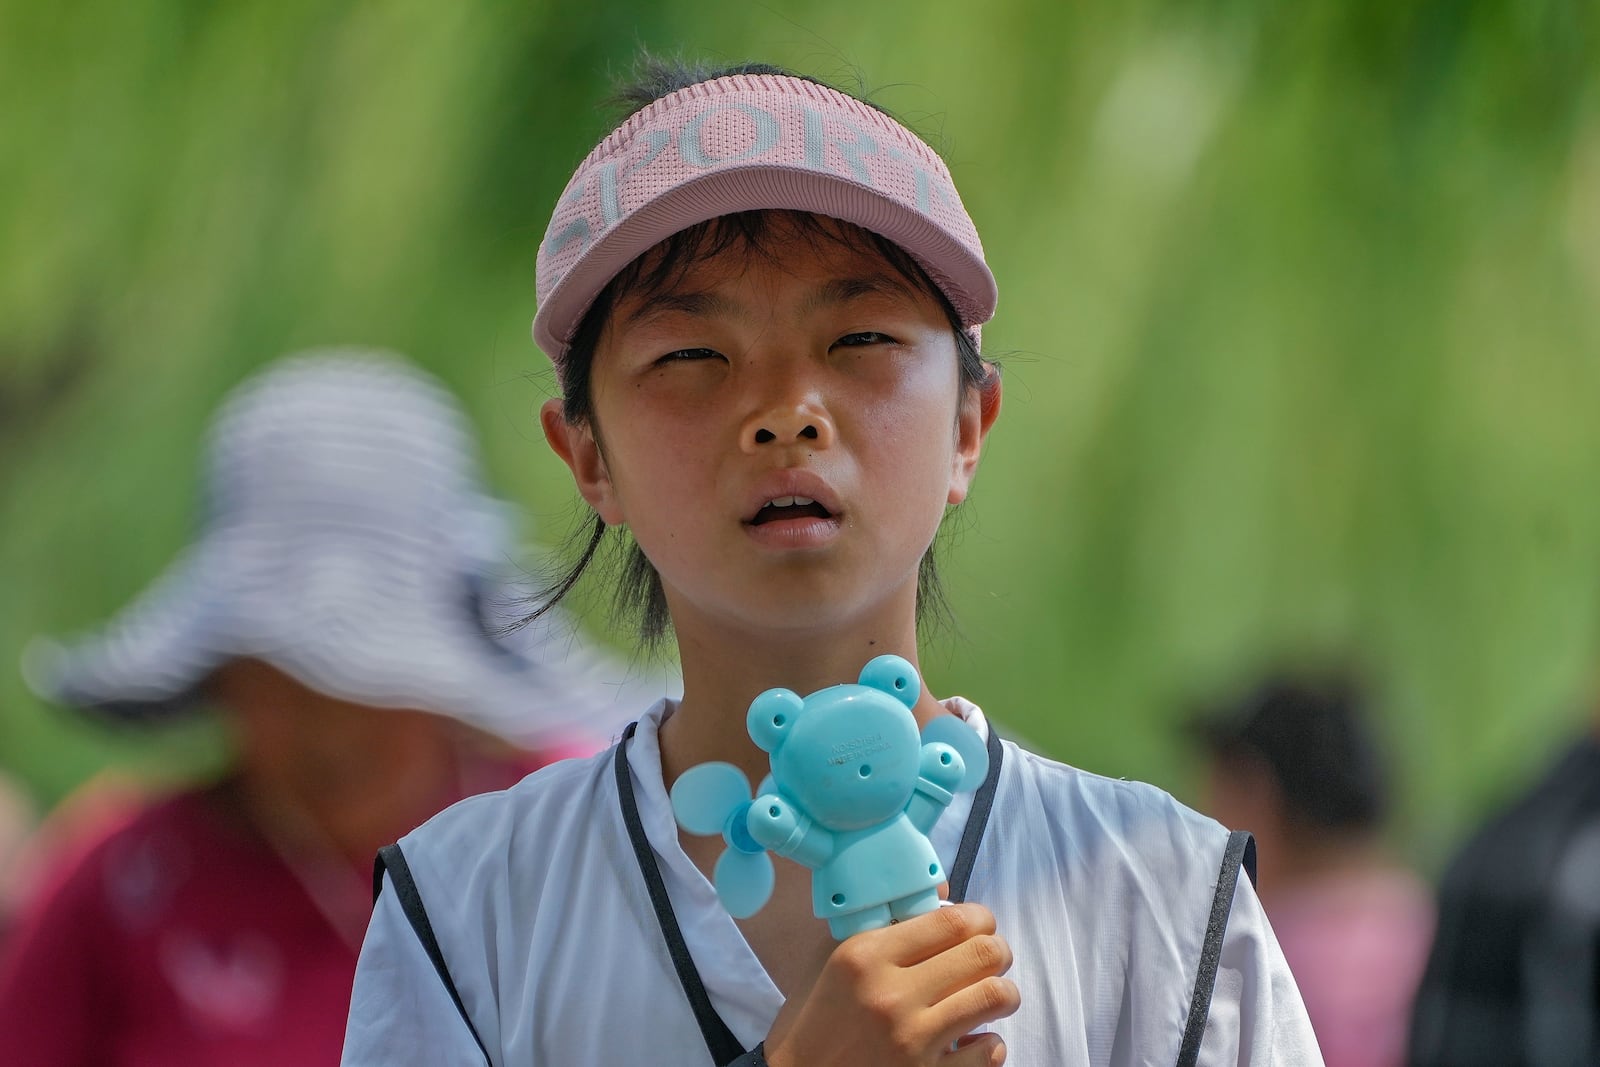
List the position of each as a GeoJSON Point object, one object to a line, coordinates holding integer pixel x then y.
{"type": "Point", "coordinates": [750, 142]}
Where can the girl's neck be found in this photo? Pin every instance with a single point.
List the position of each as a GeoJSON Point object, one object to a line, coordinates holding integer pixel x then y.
{"type": "Point", "coordinates": [724, 669]}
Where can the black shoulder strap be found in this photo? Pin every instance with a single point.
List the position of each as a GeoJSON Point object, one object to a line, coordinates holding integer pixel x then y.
{"type": "Point", "coordinates": [977, 820]}
{"type": "Point", "coordinates": [391, 859]}
{"type": "Point", "coordinates": [1241, 851]}
{"type": "Point", "coordinates": [723, 1046]}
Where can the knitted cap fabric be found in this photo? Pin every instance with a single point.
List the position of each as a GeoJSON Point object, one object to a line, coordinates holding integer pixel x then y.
{"type": "Point", "coordinates": [753, 142]}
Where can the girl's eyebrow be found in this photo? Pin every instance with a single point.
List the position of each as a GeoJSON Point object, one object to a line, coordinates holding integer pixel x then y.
{"type": "Point", "coordinates": [699, 304]}
{"type": "Point", "coordinates": [844, 290]}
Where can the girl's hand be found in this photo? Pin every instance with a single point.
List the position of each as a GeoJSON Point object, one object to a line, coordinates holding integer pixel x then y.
{"type": "Point", "coordinates": [903, 995]}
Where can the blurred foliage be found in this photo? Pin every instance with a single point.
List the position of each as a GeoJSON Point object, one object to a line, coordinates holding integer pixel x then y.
{"type": "Point", "coordinates": [1299, 315]}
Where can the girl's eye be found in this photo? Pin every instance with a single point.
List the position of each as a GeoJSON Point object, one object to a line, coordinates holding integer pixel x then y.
{"type": "Point", "coordinates": [865, 337]}
{"type": "Point", "coordinates": [688, 355]}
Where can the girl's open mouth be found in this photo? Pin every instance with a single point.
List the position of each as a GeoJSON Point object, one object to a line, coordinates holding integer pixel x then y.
{"type": "Point", "coordinates": [790, 507]}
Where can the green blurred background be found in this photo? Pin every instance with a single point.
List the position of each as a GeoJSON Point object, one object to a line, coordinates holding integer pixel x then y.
{"type": "Point", "coordinates": [1298, 315]}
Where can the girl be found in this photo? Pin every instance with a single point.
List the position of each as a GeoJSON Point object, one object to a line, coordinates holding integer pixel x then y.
{"type": "Point", "coordinates": [763, 300]}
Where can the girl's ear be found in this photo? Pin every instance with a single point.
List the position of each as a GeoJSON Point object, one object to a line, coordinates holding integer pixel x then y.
{"type": "Point", "coordinates": [980, 406]}
{"type": "Point", "coordinates": [575, 443]}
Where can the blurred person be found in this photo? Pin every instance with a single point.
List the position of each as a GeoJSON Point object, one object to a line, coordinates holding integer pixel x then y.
{"type": "Point", "coordinates": [1513, 979]}
{"type": "Point", "coordinates": [338, 610]}
{"type": "Point", "coordinates": [1296, 763]}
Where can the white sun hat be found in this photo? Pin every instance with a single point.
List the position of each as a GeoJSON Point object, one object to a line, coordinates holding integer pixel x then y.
{"type": "Point", "coordinates": [346, 541]}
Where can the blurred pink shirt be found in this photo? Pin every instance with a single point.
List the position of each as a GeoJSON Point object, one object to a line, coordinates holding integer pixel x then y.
{"type": "Point", "coordinates": [1357, 944]}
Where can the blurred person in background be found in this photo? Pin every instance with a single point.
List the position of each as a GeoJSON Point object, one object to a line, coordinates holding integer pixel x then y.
{"type": "Point", "coordinates": [1296, 763]}
{"type": "Point", "coordinates": [1513, 979]}
{"type": "Point", "coordinates": [339, 610]}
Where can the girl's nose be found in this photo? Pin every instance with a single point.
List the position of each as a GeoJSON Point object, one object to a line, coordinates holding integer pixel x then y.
{"type": "Point", "coordinates": [794, 422]}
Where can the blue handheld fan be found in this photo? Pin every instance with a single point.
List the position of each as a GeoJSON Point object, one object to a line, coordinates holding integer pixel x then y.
{"type": "Point", "coordinates": [854, 790]}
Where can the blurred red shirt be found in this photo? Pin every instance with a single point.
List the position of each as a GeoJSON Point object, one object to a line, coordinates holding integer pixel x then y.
{"type": "Point", "coordinates": [183, 939]}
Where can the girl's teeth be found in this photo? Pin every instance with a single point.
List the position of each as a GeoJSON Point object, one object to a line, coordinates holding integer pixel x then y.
{"type": "Point", "coordinates": [789, 501]}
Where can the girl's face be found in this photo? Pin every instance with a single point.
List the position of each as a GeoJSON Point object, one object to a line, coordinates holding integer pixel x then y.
{"type": "Point", "coordinates": [781, 431]}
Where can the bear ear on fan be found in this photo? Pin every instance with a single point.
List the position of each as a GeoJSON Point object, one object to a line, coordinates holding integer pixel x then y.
{"type": "Point", "coordinates": [952, 731]}
{"type": "Point", "coordinates": [895, 676]}
{"type": "Point", "coordinates": [772, 715]}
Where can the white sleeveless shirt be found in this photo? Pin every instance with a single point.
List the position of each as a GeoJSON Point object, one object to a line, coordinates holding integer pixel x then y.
{"type": "Point", "coordinates": [1103, 888]}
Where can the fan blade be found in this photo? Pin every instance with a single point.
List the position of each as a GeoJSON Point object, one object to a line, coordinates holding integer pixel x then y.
{"type": "Point", "coordinates": [965, 740]}
{"type": "Point", "coordinates": [744, 882]}
{"type": "Point", "coordinates": [704, 796]}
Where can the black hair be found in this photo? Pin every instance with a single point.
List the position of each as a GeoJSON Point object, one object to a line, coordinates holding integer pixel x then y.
{"type": "Point", "coordinates": [1314, 738]}
{"type": "Point", "coordinates": [655, 77]}
{"type": "Point", "coordinates": [639, 594]}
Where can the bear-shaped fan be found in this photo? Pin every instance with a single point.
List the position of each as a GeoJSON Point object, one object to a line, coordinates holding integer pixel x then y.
{"type": "Point", "coordinates": [853, 793]}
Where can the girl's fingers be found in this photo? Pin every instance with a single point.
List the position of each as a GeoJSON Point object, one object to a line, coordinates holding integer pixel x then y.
{"type": "Point", "coordinates": [976, 1050]}
{"type": "Point", "coordinates": [912, 942]}
{"type": "Point", "coordinates": [959, 966]}
{"type": "Point", "coordinates": [981, 1003]}
{"type": "Point", "coordinates": [927, 981]}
